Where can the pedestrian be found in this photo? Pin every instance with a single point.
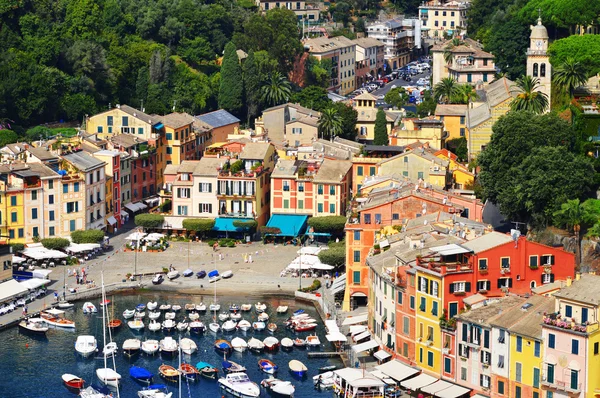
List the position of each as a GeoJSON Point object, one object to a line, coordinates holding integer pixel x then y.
{"type": "Point", "coordinates": [249, 258]}
{"type": "Point", "coordinates": [56, 296]}
{"type": "Point", "coordinates": [245, 258]}
{"type": "Point", "coordinates": [26, 309]}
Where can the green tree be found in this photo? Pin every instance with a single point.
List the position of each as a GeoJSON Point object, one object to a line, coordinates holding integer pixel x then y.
{"type": "Point", "coordinates": [276, 90]}
{"type": "Point", "coordinates": [252, 86]}
{"type": "Point", "coordinates": [55, 243]}
{"type": "Point", "coordinates": [38, 133]}
{"type": "Point", "coordinates": [530, 98]}
{"type": "Point", "coordinates": [349, 117]}
{"type": "Point", "coordinates": [458, 146]}
{"type": "Point", "coordinates": [87, 236]}
{"type": "Point", "coordinates": [340, 12]}
{"type": "Point", "coordinates": [465, 94]}
{"type": "Point", "coordinates": [318, 72]}
{"type": "Point", "coordinates": [397, 97]}
{"type": "Point", "coordinates": [330, 123]}
{"type": "Point", "coordinates": [148, 220]}
{"type": "Point", "coordinates": [312, 97]}
{"type": "Point", "coordinates": [582, 49]}
{"type": "Point", "coordinates": [569, 75]}
{"type": "Point", "coordinates": [196, 50]}
{"type": "Point", "coordinates": [232, 87]}
{"type": "Point", "coordinates": [445, 89]}
{"type": "Point", "coordinates": [573, 214]}
{"type": "Point", "coordinates": [333, 225]}
{"type": "Point", "coordinates": [335, 256]}
{"type": "Point", "coordinates": [381, 134]}
{"type": "Point", "coordinates": [507, 38]}
{"type": "Point", "coordinates": [198, 225]}
{"type": "Point", "coordinates": [449, 49]}
{"type": "Point", "coordinates": [8, 137]}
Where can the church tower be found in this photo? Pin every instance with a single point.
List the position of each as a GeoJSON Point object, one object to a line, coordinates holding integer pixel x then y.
{"type": "Point", "coordinates": [538, 61]}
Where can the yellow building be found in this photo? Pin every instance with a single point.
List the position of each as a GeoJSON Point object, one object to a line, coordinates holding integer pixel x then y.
{"type": "Point", "coordinates": [428, 130]}
{"type": "Point", "coordinates": [454, 118]}
{"type": "Point", "coordinates": [179, 138]}
{"type": "Point", "coordinates": [12, 213]}
{"type": "Point", "coordinates": [428, 345]}
{"type": "Point", "coordinates": [416, 165]}
{"type": "Point", "coordinates": [440, 18]}
{"type": "Point", "coordinates": [365, 105]}
{"type": "Point", "coordinates": [461, 176]}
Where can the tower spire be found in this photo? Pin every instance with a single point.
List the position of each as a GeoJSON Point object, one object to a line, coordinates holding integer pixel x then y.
{"type": "Point", "coordinates": [539, 20]}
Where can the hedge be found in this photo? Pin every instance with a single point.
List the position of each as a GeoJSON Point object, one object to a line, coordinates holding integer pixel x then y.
{"type": "Point", "coordinates": [269, 230]}
{"type": "Point", "coordinates": [87, 236]}
{"type": "Point", "coordinates": [166, 206]}
{"type": "Point", "coordinates": [55, 243]}
{"type": "Point", "coordinates": [201, 225]}
{"type": "Point", "coordinates": [17, 247]}
{"type": "Point", "coordinates": [251, 224]}
{"type": "Point", "coordinates": [148, 220]}
{"type": "Point", "coordinates": [335, 256]}
{"type": "Point", "coordinates": [316, 285]}
{"type": "Point", "coordinates": [328, 224]}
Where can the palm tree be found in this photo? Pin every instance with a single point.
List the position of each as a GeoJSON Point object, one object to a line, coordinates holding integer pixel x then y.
{"type": "Point", "coordinates": [573, 214]}
{"type": "Point", "coordinates": [446, 89]}
{"type": "Point", "coordinates": [449, 47]}
{"type": "Point", "coordinates": [464, 95]}
{"type": "Point", "coordinates": [530, 98]}
{"type": "Point", "coordinates": [276, 89]}
{"type": "Point", "coordinates": [330, 123]}
{"type": "Point", "coordinates": [569, 75]}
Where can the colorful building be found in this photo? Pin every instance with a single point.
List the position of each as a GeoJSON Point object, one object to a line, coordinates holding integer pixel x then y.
{"type": "Point", "coordinates": [462, 178]}
{"type": "Point", "coordinates": [419, 165]}
{"type": "Point", "coordinates": [112, 170]}
{"type": "Point", "coordinates": [468, 64]}
{"type": "Point", "coordinates": [13, 187]}
{"type": "Point", "coordinates": [179, 138]}
{"type": "Point", "coordinates": [440, 19]}
{"type": "Point", "coordinates": [370, 54]}
{"type": "Point", "coordinates": [454, 118]}
{"type": "Point", "coordinates": [365, 105]}
{"type": "Point", "coordinates": [289, 124]}
{"type": "Point", "coordinates": [342, 53]}
{"type": "Point", "coordinates": [427, 130]}
{"type": "Point", "coordinates": [220, 123]}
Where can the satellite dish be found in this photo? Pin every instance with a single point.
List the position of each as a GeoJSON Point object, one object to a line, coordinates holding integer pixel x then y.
{"type": "Point", "coordinates": [515, 234]}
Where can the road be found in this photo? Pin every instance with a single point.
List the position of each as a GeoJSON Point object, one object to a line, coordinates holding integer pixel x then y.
{"type": "Point", "coordinates": [399, 82]}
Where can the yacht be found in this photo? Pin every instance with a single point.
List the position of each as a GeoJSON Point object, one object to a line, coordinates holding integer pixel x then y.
{"type": "Point", "coordinates": [239, 385]}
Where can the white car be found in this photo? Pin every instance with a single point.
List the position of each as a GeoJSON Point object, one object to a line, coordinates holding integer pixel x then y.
{"type": "Point", "coordinates": [424, 66]}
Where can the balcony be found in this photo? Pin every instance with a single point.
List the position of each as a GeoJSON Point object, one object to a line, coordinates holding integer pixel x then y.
{"type": "Point", "coordinates": [562, 385]}
{"type": "Point", "coordinates": [445, 267]}
{"type": "Point", "coordinates": [555, 321]}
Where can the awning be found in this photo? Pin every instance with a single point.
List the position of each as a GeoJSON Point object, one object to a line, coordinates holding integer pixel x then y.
{"type": "Point", "coordinates": [358, 294]}
{"type": "Point", "coordinates": [381, 355]}
{"type": "Point", "coordinates": [450, 249]}
{"type": "Point", "coordinates": [395, 369]}
{"type": "Point", "coordinates": [338, 288]}
{"type": "Point", "coordinates": [436, 387]}
{"type": "Point", "coordinates": [41, 273]}
{"type": "Point", "coordinates": [362, 336]}
{"type": "Point", "coordinates": [41, 253]}
{"type": "Point", "coordinates": [418, 382]}
{"type": "Point", "coordinates": [124, 214]}
{"type": "Point", "coordinates": [11, 289]}
{"type": "Point", "coordinates": [386, 379]}
{"type": "Point", "coordinates": [366, 346]}
{"type": "Point", "coordinates": [353, 320]}
{"type": "Point", "coordinates": [111, 220]}
{"type": "Point", "coordinates": [453, 392]}
{"type": "Point", "coordinates": [312, 250]}
{"type": "Point", "coordinates": [349, 374]}
{"type": "Point", "coordinates": [141, 205]}
{"type": "Point", "coordinates": [131, 206]}
{"type": "Point", "coordinates": [225, 224]}
{"type": "Point", "coordinates": [136, 236]}
{"type": "Point", "coordinates": [331, 326]}
{"type": "Point", "coordinates": [152, 201]}
{"type": "Point", "coordinates": [158, 126]}
{"type": "Point", "coordinates": [288, 224]}
{"type": "Point", "coordinates": [34, 283]}
{"type": "Point", "coordinates": [356, 329]}
{"type": "Point", "coordinates": [18, 260]}
{"type": "Point", "coordinates": [336, 336]}
{"type": "Point", "coordinates": [367, 381]}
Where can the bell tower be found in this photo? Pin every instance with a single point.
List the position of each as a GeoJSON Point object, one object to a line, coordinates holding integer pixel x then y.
{"type": "Point", "coordinates": [538, 61]}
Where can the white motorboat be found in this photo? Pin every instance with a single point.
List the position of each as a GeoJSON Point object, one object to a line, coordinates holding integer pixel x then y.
{"type": "Point", "coordinates": [128, 314]}
{"type": "Point", "coordinates": [260, 307]}
{"type": "Point", "coordinates": [155, 391]}
{"type": "Point", "coordinates": [182, 326]}
{"type": "Point", "coordinates": [201, 307]}
{"type": "Point", "coordinates": [280, 387]}
{"type": "Point", "coordinates": [256, 345]}
{"type": "Point", "coordinates": [194, 316]}
{"type": "Point", "coordinates": [271, 343]}
{"type": "Point", "coordinates": [154, 314]}
{"type": "Point", "coordinates": [34, 325]}
{"type": "Point", "coordinates": [63, 305]}
{"type": "Point", "coordinates": [223, 316]}
{"type": "Point", "coordinates": [239, 385]}
{"type": "Point", "coordinates": [150, 347]}
{"type": "Point", "coordinates": [188, 346]}
{"type": "Point", "coordinates": [313, 341]}
{"type": "Point", "coordinates": [110, 349]}
{"type": "Point", "coordinates": [244, 325]}
{"type": "Point", "coordinates": [197, 327]}
{"type": "Point", "coordinates": [168, 325]}
{"type": "Point", "coordinates": [282, 309]}
{"type": "Point", "coordinates": [246, 307]}
{"type": "Point", "coordinates": [214, 327]}
{"type": "Point", "coordinates": [158, 279]}
{"type": "Point", "coordinates": [227, 274]}
{"type": "Point", "coordinates": [139, 314]}
{"type": "Point", "coordinates": [108, 376]}
{"type": "Point", "coordinates": [164, 307]}
{"type": "Point", "coordinates": [53, 317]}
{"type": "Point", "coordinates": [229, 326]}
{"type": "Point", "coordinates": [214, 278]}
{"type": "Point", "coordinates": [168, 345]}
{"type": "Point", "coordinates": [239, 344]}
{"type": "Point", "coordinates": [154, 326]}
{"type": "Point", "coordinates": [136, 324]}
{"type": "Point", "coordinates": [170, 315]}
{"type": "Point", "coordinates": [214, 307]}
{"type": "Point", "coordinates": [151, 305]}
{"type": "Point", "coordinates": [175, 307]}
{"type": "Point", "coordinates": [263, 317]}
{"type": "Point", "coordinates": [131, 347]}
{"type": "Point", "coordinates": [89, 308]}
{"type": "Point", "coordinates": [172, 275]}
{"type": "Point", "coordinates": [324, 380]}
{"type": "Point", "coordinates": [236, 316]}
{"type": "Point", "coordinates": [258, 326]}
{"type": "Point", "coordinates": [287, 343]}
{"type": "Point", "coordinates": [86, 345]}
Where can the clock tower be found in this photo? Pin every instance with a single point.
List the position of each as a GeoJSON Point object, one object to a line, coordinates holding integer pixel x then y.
{"type": "Point", "coordinates": [538, 61]}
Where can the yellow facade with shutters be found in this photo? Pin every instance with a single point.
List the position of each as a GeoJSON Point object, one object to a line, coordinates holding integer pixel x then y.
{"type": "Point", "coordinates": [428, 309]}
{"type": "Point", "coordinates": [12, 212]}
{"type": "Point", "coordinates": [525, 367]}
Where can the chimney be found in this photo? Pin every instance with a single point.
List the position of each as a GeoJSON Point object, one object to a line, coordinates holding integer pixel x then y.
{"type": "Point", "coordinates": [569, 281]}
{"type": "Point", "coordinates": [578, 276]}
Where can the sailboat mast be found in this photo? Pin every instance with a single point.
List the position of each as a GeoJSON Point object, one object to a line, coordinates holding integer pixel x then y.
{"type": "Point", "coordinates": [179, 349]}
{"type": "Point", "coordinates": [103, 317]}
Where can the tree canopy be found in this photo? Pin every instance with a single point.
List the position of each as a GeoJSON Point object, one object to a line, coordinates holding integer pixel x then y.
{"type": "Point", "coordinates": [582, 49]}
{"type": "Point", "coordinates": [231, 89]}
{"type": "Point", "coordinates": [148, 220]}
{"type": "Point", "coordinates": [55, 243]}
{"type": "Point", "coordinates": [198, 225]}
{"type": "Point", "coordinates": [87, 236]}
{"type": "Point", "coordinates": [381, 134]}
{"type": "Point", "coordinates": [329, 224]}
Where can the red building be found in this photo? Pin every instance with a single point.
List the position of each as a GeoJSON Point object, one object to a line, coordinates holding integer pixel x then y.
{"type": "Point", "coordinates": [405, 315]}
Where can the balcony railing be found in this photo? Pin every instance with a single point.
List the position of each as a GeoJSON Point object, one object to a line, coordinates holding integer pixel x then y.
{"type": "Point", "coordinates": [561, 385]}
{"type": "Point", "coordinates": [555, 320]}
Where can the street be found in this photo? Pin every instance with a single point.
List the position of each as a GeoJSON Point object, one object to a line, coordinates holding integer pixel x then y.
{"type": "Point", "coordinates": [400, 83]}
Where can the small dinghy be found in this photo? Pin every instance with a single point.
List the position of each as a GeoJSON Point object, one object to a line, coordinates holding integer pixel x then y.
{"type": "Point", "coordinates": [170, 315]}
{"type": "Point", "coordinates": [151, 305]}
{"type": "Point", "coordinates": [188, 346]}
{"type": "Point", "coordinates": [239, 344]}
{"type": "Point", "coordinates": [223, 346]}
{"type": "Point", "coordinates": [324, 380]}
{"type": "Point", "coordinates": [236, 316]}
{"type": "Point", "coordinates": [234, 308]}
{"type": "Point", "coordinates": [140, 307]}
{"type": "Point", "coordinates": [150, 347]}
{"type": "Point", "coordinates": [165, 307]}
{"type": "Point", "coordinates": [158, 279]}
{"type": "Point", "coordinates": [201, 307]}
{"type": "Point", "coordinates": [153, 391]}
{"type": "Point", "coordinates": [140, 374]}
{"type": "Point", "coordinates": [229, 326]}
{"type": "Point", "coordinates": [256, 345]}
{"type": "Point", "coordinates": [246, 307]}
{"type": "Point", "coordinates": [298, 312]}
{"type": "Point", "coordinates": [207, 370]}
{"type": "Point", "coordinates": [287, 343]}
{"type": "Point", "coordinates": [267, 366]}
{"type": "Point", "coordinates": [173, 275]}
{"type": "Point", "coordinates": [136, 324]}
{"type": "Point", "coordinates": [110, 349]}
{"type": "Point", "coordinates": [182, 326]}
{"type": "Point", "coordinates": [214, 307]}
{"type": "Point", "coordinates": [239, 385]}
{"type": "Point", "coordinates": [313, 341]}
{"type": "Point", "coordinates": [232, 367]}
{"type": "Point", "coordinates": [197, 327]}
{"type": "Point", "coordinates": [187, 273]}
{"type": "Point", "coordinates": [131, 347]}
{"type": "Point", "coordinates": [244, 325]}
{"type": "Point", "coordinates": [223, 316]}
{"type": "Point", "coordinates": [194, 316]}
{"type": "Point", "coordinates": [114, 324]}
{"type": "Point", "coordinates": [72, 381]}
{"type": "Point", "coordinates": [86, 345]}
{"type": "Point", "coordinates": [176, 307]}
{"type": "Point", "coordinates": [258, 326]}
{"type": "Point", "coordinates": [297, 367]}
{"type": "Point", "coordinates": [154, 314]}
{"type": "Point", "coordinates": [260, 307]}
{"type": "Point", "coordinates": [298, 342]}
{"type": "Point", "coordinates": [154, 326]}
{"type": "Point", "coordinates": [282, 309]}
{"type": "Point", "coordinates": [271, 327]}
{"type": "Point", "coordinates": [140, 314]}
{"type": "Point", "coordinates": [227, 274]}
{"type": "Point", "coordinates": [63, 305]}
{"type": "Point", "coordinates": [201, 274]}
{"type": "Point", "coordinates": [168, 373]}
{"type": "Point", "coordinates": [327, 368]}
{"type": "Point", "coordinates": [271, 343]}
{"type": "Point", "coordinates": [89, 308]}
{"type": "Point", "coordinates": [214, 327]}
{"type": "Point", "coordinates": [263, 317]}
{"type": "Point", "coordinates": [190, 307]}
{"type": "Point", "coordinates": [189, 371]}
{"type": "Point", "coordinates": [279, 387]}
{"type": "Point", "coordinates": [168, 346]}
{"type": "Point", "coordinates": [168, 325]}
{"type": "Point", "coordinates": [34, 325]}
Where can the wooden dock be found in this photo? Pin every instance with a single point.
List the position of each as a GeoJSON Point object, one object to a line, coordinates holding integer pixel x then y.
{"type": "Point", "coordinates": [326, 354]}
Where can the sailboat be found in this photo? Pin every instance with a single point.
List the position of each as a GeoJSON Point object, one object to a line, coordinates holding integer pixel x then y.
{"type": "Point", "coordinates": [108, 376]}
{"type": "Point", "coordinates": [214, 326]}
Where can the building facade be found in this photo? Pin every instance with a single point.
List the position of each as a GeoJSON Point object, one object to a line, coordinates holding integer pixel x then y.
{"type": "Point", "coordinates": [370, 54]}
{"type": "Point", "coordinates": [441, 19]}
{"type": "Point", "coordinates": [538, 59]}
{"type": "Point", "coordinates": [400, 37]}
{"type": "Point", "coordinates": [467, 63]}
{"type": "Point", "coordinates": [342, 53]}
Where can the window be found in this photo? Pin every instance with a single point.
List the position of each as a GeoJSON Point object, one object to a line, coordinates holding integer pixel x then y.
{"type": "Point", "coordinates": [400, 297]}
{"type": "Point", "coordinates": [65, 188]}
{"type": "Point", "coordinates": [357, 256]}
{"type": "Point", "coordinates": [412, 302]}
{"type": "Point", "coordinates": [453, 310]}
{"type": "Point", "coordinates": [34, 214]}
{"type": "Point", "coordinates": [395, 216]}
{"type": "Point", "coordinates": [568, 311]}
{"type": "Point", "coordinates": [469, 77]}
{"type": "Point", "coordinates": [182, 210]}
{"type": "Point", "coordinates": [505, 262]}
{"type": "Point", "coordinates": [517, 392]}
{"type": "Point", "coordinates": [536, 349]}
{"type": "Point", "coordinates": [486, 339]}
{"type": "Point", "coordinates": [519, 344]}
{"type": "Point", "coordinates": [406, 325]}
{"type": "Point", "coordinates": [447, 365]}
{"type": "Point", "coordinates": [504, 283]}
{"type": "Point", "coordinates": [72, 225]}
{"type": "Point", "coordinates": [205, 187]}
{"type": "Point", "coordinates": [460, 287]}
{"type": "Point", "coordinates": [332, 189]}
{"type": "Point", "coordinates": [486, 357]}
{"type": "Point", "coordinates": [140, 130]}
{"type": "Point", "coordinates": [320, 208]}
{"type": "Point", "coordinates": [356, 235]}
{"type": "Point", "coordinates": [420, 175]}
{"type": "Point", "coordinates": [434, 288]}
{"type": "Point", "coordinates": [430, 358]}
{"type": "Point", "coordinates": [463, 350]}
{"type": "Point", "coordinates": [483, 286]}
{"type": "Point", "coordinates": [320, 189]}
{"type": "Point", "coordinates": [169, 150]}
{"type": "Point", "coordinates": [483, 264]}
{"type": "Point", "coordinates": [13, 216]}
{"type": "Point", "coordinates": [51, 231]}
{"type": "Point", "coordinates": [484, 381]}
{"type": "Point", "coordinates": [35, 231]}
{"type": "Point", "coordinates": [367, 218]}
{"type": "Point", "coordinates": [125, 121]}
{"type": "Point", "coordinates": [13, 200]}
{"type": "Point", "coordinates": [50, 184]}
{"type": "Point", "coordinates": [423, 305]}
{"type": "Point", "coordinates": [300, 204]}
{"type": "Point", "coordinates": [550, 373]}
{"type": "Point", "coordinates": [584, 315]}
{"type": "Point", "coordinates": [286, 186]}
{"type": "Point", "coordinates": [372, 171]}
{"type": "Point", "coordinates": [11, 233]}
{"type": "Point", "coordinates": [21, 232]}
{"type": "Point", "coordinates": [574, 347]}
{"type": "Point", "coordinates": [574, 374]}
{"type": "Point", "coordinates": [518, 372]}
{"type": "Point", "coordinates": [286, 204]}
{"type": "Point", "coordinates": [551, 340]}
{"type": "Point", "coordinates": [500, 387]}
{"type": "Point", "coordinates": [33, 195]}
{"type": "Point", "coordinates": [596, 348]}
{"type": "Point", "coordinates": [536, 377]}
{"type": "Point", "coordinates": [51, 215]}
{"type": "Point", "coordinates": [359, 170]}
{"type": "Point", "coordinates": [356, 277]}
{"type": "Point", "coordinates": [543, 70]}
{"type": "Point", "coordinates": [332, 208]}
{"type": "Point", "coordinates": [501, 361]}
{"type": "Point", "coordinates": [51, 199]}
{"type": "Point", "coordinates": [463, 374]}
{"type": "Point", "coordinates": [183, 193]}
{"type": "Point", "coordinates": [205, 207]}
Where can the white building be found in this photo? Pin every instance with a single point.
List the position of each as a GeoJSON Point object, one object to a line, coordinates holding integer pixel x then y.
{"type": "Point", "coordinates": [400, 37]}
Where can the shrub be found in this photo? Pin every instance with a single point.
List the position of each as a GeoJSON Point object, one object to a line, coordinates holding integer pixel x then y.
{"type": "Point", "coordinates": [55, 243]}
{"type": "Point", "coordinates": [17, 247]}
{"type": "Point", "coordinates": [87, 236]}
{"type": "Point", "coordinates": [198, 225]}
{"type": "Point", "coordinates": [328, 224]}
{"type": "Point", "coordinates": [211, 242]}
{"type": "Point", "coordinates": [316, 285]}
{"type": "Point", "coordinates": [237, 166]}
{"type": "Point", "coordinates": [269, 230]}
{"type": "Point", "coordinates": [166, 206]}
{"type": "Point", "coordinates": [335, 256]}
{"type": "Point", "coordinates": [246, 225]}
{"type": "Point", "coordinates": [227, 242]}
{"type": "Point", "coordinates": [149, 220]}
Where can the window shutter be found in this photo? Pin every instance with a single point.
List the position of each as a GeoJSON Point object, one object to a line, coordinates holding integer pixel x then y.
{"type": "Point", "coordinates": [419, 283]}
{"type": "Point", "coordinates": [481, 376]}
{"type": "Point", "coordinates": [467, 286]}
{"type": "Point", "coordinates": [210, 207]}
{"type": "Point", "coordinates": [200, 187]}
{"type": "Point", "coordinates": [481, 355]}
{"type": "Point", "coordinates": [509, 282]}
{"type": "Point", "coordinates": [465, 330]}
{"type": "Point", "coordinates": [209, 187]}
{"type": "Point", "coordinates": [551, 278]}
{"type": "Point", "coordinates": [552, 260]}
{"type": "Point", "coordinates": [499, 283]}
{"type": "Point", "coordinates": [468, 351]}
{"type": "Point", "coordinates": [452, 288]}
{"type": "Point", "coordinates": [486, 338]}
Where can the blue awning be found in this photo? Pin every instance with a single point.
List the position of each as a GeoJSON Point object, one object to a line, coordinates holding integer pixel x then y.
{"type": "Point", "coordinates": [288, 224]}
{"type": "Point", "coordinates": [158, 126]}
{"type": "Point", "coordinates": [225, 224]}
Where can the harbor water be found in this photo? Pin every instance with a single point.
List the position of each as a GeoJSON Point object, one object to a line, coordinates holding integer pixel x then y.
{"type": "Point", "coordinates": [32, 366]}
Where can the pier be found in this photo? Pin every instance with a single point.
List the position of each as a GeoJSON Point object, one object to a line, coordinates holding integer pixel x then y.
{"type": "Point", "coordinates": [326, 354]}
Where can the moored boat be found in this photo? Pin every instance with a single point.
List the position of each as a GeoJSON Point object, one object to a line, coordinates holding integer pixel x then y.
{"type": "Point", "coordinates": [170, 315]}
{"type": "Point", "coordinates": [114, 324]}
{"type": "Point", "coordinates": [140, 307]}
{"type": "Point", "coordinates": [244, 325]}
{"type": "Point", "coordinates": [239, 344]}
{"type": "Point", "coordinates": [168, 373]}
{"type": "Point", "coordinates": [136, 324]}
{"type": "Point", "coordinates": [258, 326]}
{"type": "Point", "coordinates": [155, 391]}
{"type": "Point", "coordinates": [86, 345]}
{"type": "Point", "coordinates": [213, 276]}
{"type": "Point", "coordinates": [194, 316]}
{"type": "Point", "coordinates": [168, 325]}
{"type": "Point", "coordinates": [256, 345]}
{"type": "Point", "coordinates": [73, 381]}
{"type": "Point", "coordinates": [287, 343]}
{"type": "Point", "coordinates": [282, 309]}
{"type": "Point", "coordinates": [223, 346]}
{"type": "Point", "coordinates": [150, 347]}
{"type": "Point", "coordinates": [131, 347]}
{"type": "Point", "coordinates": [188, 346]}
{"type": "Point", "coordinates": [154, 314]}
{"type": "Point", "coordinates": [271, 327]}
{"type": "Point", "coordinates": [190, 307]}
{"type": "Point", "coordinates": [168, 346]}
{"type": "Point", "coordinates": [305, 327]}
{"type": "Point", "coordinates": [246, 307]}
{"type": "Point", "coordinates": [154, 326]}
{"type": "Point", "coordinates": [151, 305]}
{"type": "Point", "coordinates": [263, 317]}
{"type": "Point", "coordinates": [128, 314]}
{"type": "Point", "coordinates": [229, 326]}
{"type": "Point", "coordinates": [232, 367]}
{"type": "Point", "coordinates": [182, 326]}
{"type": "Point", "coordinates": [201, 307]}
{"type": "Point", "coordinates": [207, 370]}
{"type": "Point", "coordinates": [89, 308]}
{"type": "Point", "coordinates": [110, 349]}
{"type": "Point", "coordinates": [140, 374]}
{"type": "Point", "coordinates": [260, 307]}
{"type": "Point", "coordinates": [271, 343]}
{"type": "Point", "coordinates": [267, 366]}
{"type": "Point", "coordinates": [64, 305]}
{"type": "Point", "coordinates": [324, 380]}
{"type": "Point", "coordinates": [223, 316]}
{"type": "Point", "coordinates": [165, 307]}
{"type": "Point", "coordinates": [279, 387]}
{"type": "Point", "coordinates": [297, 367]}
{"type": "Point", "coordinates": [34, 325]}
{"type": "Point", "coordinates": [298, 342]}
{"type": "Point", "coordinates": [176, 307]}
{"type": "Point", "coordinates": [197, 327]}
{"type": "Point", "coordinates": [239, 385]}
{"type": "Point", "coordinates": [189, 371]}
{"type": "Point", "coordinates": [313, 340]}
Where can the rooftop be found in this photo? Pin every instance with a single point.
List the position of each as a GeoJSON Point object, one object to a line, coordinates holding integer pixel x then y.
{"type": "Point", "coordinates": [450, 110]}
{"type": "Point", "coordinates": [482, 315]}
{"type": "Point", "coordinates": [177, 120]}
{"type": "Point", "coordinates": [470, 47]}
{"type": "Point", "coordinates": [42, 153]}
{"type": "Point", "coordinates": [108, 152]}
{"type": "Point", "coordinates": [332, 170]}
{"type": "Point", "coordinates": [366, 42]}
{"type": "Point", "coordinates": [139, 114]}
{"type": "Point", "coordinates": [326, 44]}
{"type": "Point", "coordinates": [218, 118]}
{"type": "Point", "coordinates": [126, 140]}
{"type": "Point", "coordinates": [208, 167]}
{"type": "Point", "coordinates": [83, 161]}
{"type": "Point", "coordinates": [585, 290]}
{"type": "Point", "coordinates": [255, 151]}
{"type": "Point", "coordinates": [525, 319]}
{"type": "Point", "coordinates": [187, 166]}
{"type": "Point", "coordinates": [488, 241]}
{"type": "Point", "coordinates": [285, 168]}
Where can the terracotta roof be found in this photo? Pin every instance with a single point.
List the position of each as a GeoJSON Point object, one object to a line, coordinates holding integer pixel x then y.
{"type": "Point", "coordinates": [527, 318]}
{"type": "Point", "coordinates": [585, 290]}
{"type": "Point", "coordinates": [140, 115]}
{"type": "Point", "coordinates": [42, 153]}
{"type": "Point", "coordinates": [470, 46]}
{"type": "Point", "coordinates": [83, 161]}
{"type": "Point", "coordinates": [255, 150]}
{"type": "Point", "coordinates": [326, 44]}
{"type": "Point", "coordinates": [207, 167]}
{"type": "Point", "coordinates": [126, 140]}
{"type": "Point", "coordinates": [488, 241]}
{"type": "Point", "coordinates": [366, 42]}
{"type": "Point", "coordinates": [177, 120]}
{"type": "Point", "coordinates": [311, 121]}
{"type": "Point", "coordinates": [450, 110]}
{"type": "Point", "coordinates": [332, 170]}
{"type": "Point", "coordinates": [482, 315]}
